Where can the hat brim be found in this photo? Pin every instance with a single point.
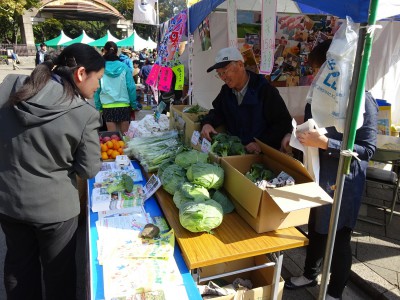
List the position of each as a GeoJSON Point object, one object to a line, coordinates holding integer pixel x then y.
{"type": "Point", "coordinates": [219, 65]}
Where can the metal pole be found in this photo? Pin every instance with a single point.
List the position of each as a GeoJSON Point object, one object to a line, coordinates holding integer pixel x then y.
{"type": "Point", "coordinates": [357, 89]}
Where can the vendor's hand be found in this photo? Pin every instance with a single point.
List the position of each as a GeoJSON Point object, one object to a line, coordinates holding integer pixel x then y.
{"type": "Point", "coordinates": [313, 138]}
{"type": "Point", "coordinates": [206, 132]}
{"type": "Point", "coordinates": [285, 143]}
{"type": "Point", "coordinates": [253, 148]}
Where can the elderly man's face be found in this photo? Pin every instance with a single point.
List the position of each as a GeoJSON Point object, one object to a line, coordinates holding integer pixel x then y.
{"type": "Point", "coordinates": [231, 74]}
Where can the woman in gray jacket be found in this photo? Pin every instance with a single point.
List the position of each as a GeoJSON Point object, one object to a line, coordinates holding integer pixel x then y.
{"type": "Point", "coordinates": [49, 135]}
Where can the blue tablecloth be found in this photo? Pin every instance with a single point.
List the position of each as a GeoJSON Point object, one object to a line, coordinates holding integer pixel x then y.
{"type": "Point", "coordinates": [96, 270]}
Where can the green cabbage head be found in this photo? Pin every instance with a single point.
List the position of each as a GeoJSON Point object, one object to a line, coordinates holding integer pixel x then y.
{"type": "Point", "coordinates": [172, 178]}
{"type": "Point", "coordinates": [211, 176]}
{"type": "Point", "coordinates": [187, 158]}
{"type": "Point", "coordinates": [201, 216]}
{"type": "Point", "coordinates": [189, 192]}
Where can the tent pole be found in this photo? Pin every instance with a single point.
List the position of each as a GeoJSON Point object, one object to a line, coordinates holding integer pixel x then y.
{"type": "Point", "coordinates": [356, 93]}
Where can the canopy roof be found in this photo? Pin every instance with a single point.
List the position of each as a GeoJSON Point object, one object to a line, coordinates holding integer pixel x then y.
{"type": "Point", "coordinates": [58, 41]}
{"type": "Point", "coordinates": [102, 41]}
{"type": "Point", "coordinates": [135, 41]}
{"type": "Point", "coordinates": [356, 9]}
{"type": "Point", "coordinates": [83, 38]}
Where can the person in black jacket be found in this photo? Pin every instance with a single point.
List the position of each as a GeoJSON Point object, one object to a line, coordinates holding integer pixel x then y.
{"type": "Point", "coordinates": [40, 54]}
{"type": "Point", "coordinates": [247, 105]}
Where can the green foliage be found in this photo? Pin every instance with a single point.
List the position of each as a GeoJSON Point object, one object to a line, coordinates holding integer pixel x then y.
{"type": "Point", "coordinates": [11, 12]}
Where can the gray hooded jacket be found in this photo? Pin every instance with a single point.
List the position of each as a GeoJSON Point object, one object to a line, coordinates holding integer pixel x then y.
{"type": "Point", "coordinates": [44, 143]}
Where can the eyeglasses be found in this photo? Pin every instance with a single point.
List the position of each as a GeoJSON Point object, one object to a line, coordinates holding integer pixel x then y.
{"type": "Point", "coordinates": [219, 75]}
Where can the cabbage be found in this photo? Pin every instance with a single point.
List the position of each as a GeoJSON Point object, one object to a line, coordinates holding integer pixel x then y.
{"type": "Point", "coordinates": [189, 192]}
{"type": "Point", "coordinates": [201, 216]}
{"type": "Point", "coordinates": [211, 176]}
{"type": "Point", "coordinates": [187, 158]}
{"type": "Point", "coordinates": [172, 177]}
{"type": "Point", "coordinates": [223, 200]}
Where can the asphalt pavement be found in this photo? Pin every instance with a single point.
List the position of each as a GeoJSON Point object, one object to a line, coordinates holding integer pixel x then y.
{"type": "Point", "coordinates": [376, 249]}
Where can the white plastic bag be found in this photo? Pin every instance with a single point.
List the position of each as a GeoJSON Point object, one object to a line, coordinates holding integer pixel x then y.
{"type": "Point", "coordinates": [329, 92]}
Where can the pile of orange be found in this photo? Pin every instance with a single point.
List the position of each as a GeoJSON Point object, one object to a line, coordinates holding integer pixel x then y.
{"type": "Point", "coordinates": [112, 148]}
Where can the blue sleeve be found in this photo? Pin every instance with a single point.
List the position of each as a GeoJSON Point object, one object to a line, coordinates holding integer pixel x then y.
{"type": "Point", "coordinates": [131, 88]}
{"type": "Point", "coordinates": [365, 139]}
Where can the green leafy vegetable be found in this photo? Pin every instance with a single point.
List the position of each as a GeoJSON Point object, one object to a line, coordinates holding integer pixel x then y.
{"type": "Point", "coordinates": [201, 216]}
{"type": "Point", "coordinates": [125, 184]}
{"type": "Point", "coordinates": [172, 177]}
{"type": "Point", "coordinates": [210, 176]}
{"type": "Point", "coordinates": [223, 200]}
{"type": "Point", "coordinates": [190, 192]}
{"type": "Point", "coordinates": [187, 158]}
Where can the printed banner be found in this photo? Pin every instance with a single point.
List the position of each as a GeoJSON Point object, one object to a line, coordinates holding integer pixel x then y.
{"type": "Point", "coordinates": [164, 84]}
{"type": "Point", "coordinates": [144, 12]}
{"type": "Point", "coordinates": [153, 75]}
{"type": "Point", "coordinates": [179, 72]}
{"type": "Point", "coordinates": [268, 17]}
{"type": "Point", "coordinates": [204, 33]}
{"type": "Point", "coordinates": [232, 23]}
{"type": "Point", "coordinates": [171, 35]}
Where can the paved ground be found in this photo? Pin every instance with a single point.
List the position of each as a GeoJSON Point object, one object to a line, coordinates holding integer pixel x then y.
{"type": "Point", "coordinates": [376, 249]}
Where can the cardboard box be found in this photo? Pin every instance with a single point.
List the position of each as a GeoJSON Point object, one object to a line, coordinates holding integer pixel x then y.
{"type": "Point", "coordinates": [267, 210]}
{"type": "Point", "coordinates": [261, 278]}
{"type": "Point", "coordinates": [185, 123]}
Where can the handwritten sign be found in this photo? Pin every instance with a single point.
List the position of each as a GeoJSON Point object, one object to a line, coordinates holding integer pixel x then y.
{"type": "Point", "coordinates": [268, 23]}
{"type": "Point", "coordinates": [179, 72]}
{"type": "Point", "coordinates": [153, 75]}
{"type": "Point", "coordinates": [164, 83]}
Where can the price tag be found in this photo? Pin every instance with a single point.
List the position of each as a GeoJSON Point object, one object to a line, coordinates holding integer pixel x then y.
{"type": "Point", "coordinates": [195, 138]}
{"type": "Point", "coordinates": [205, 146]}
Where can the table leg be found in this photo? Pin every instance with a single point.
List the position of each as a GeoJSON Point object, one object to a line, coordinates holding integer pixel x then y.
{"type": "Point", "coordinates": [278, 258]}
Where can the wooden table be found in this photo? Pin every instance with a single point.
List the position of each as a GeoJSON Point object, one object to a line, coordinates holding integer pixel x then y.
{"type": "Point", "coordinates": [234, 239]}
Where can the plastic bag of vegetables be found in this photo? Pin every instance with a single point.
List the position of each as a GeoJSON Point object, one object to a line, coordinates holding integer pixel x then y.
{"type": "Point", "coordinates": [211, 176]}
{"type": "Point", "coordinates": [187, 158]}
{"type": "Point", "coordinates": [201, 216]}
{"type": "Point", "coordinates": [172, 177]}
{"type": "Point", "coordinates": [189, 192]}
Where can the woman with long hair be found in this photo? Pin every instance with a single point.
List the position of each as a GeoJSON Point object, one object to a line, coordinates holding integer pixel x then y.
{"type": "Point", "coordinates": [116, 97]}
{"type": "Point", "coordinates": [49, 136]}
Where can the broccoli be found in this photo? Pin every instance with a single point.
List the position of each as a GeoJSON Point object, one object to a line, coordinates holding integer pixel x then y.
{"type": "Point", "coordinates": [237, 148]}
{"type": "Point", "coordinates": [125, 184]}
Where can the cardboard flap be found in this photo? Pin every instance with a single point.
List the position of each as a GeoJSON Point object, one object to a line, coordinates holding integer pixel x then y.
{"type": "Point", "coordinates": [284, 159]}
{"type": "Point", "coordinates": [248, 195]}
{"type": "Point", "coordinates": [299, 196]}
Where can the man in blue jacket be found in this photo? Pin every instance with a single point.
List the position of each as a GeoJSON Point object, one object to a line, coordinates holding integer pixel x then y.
{"type": "Point", "coordinates": [247, 105]}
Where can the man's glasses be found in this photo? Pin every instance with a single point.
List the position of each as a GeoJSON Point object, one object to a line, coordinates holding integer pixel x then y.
{"type": "Point", "coordinates": [221, 74]}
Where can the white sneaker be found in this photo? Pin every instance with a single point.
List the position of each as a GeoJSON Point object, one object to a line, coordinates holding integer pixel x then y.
{"type": "Point", "coordinates": [299, 282]}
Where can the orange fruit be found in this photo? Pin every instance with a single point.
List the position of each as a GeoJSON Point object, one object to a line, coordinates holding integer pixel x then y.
{"type": "Point", "coordinates": [114, 154]}
{"type": "Point", "coordinates": [103, 147]}
{"type": "Point", "coordinates": [116, 145]}
{"type": "Point", "coordinates": [110, 145]}
{"type": "Point", "coordinates": [121, 143]}
{"type": "Point", "coordinates": [104, 155]}
{"type": "Point", "coordinates": [109, 152]}
{"type": "Point", "coordinates": [121, 151]}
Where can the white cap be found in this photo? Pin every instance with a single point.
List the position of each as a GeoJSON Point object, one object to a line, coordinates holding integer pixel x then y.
{"type": "Point", "coordinates": [225, 56]}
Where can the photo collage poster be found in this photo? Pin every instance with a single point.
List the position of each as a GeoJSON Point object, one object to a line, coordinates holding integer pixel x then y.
{"type": "Point", "coordinates": [296, 35]}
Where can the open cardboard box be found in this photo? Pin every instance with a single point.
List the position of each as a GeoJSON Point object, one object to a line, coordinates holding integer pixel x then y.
{"type": "Point", "coordinates": [185, 123]}
{"type": "Point", "coordinates": [261, 278]}
{"type": "Point", "coordinates": [271, 209]}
